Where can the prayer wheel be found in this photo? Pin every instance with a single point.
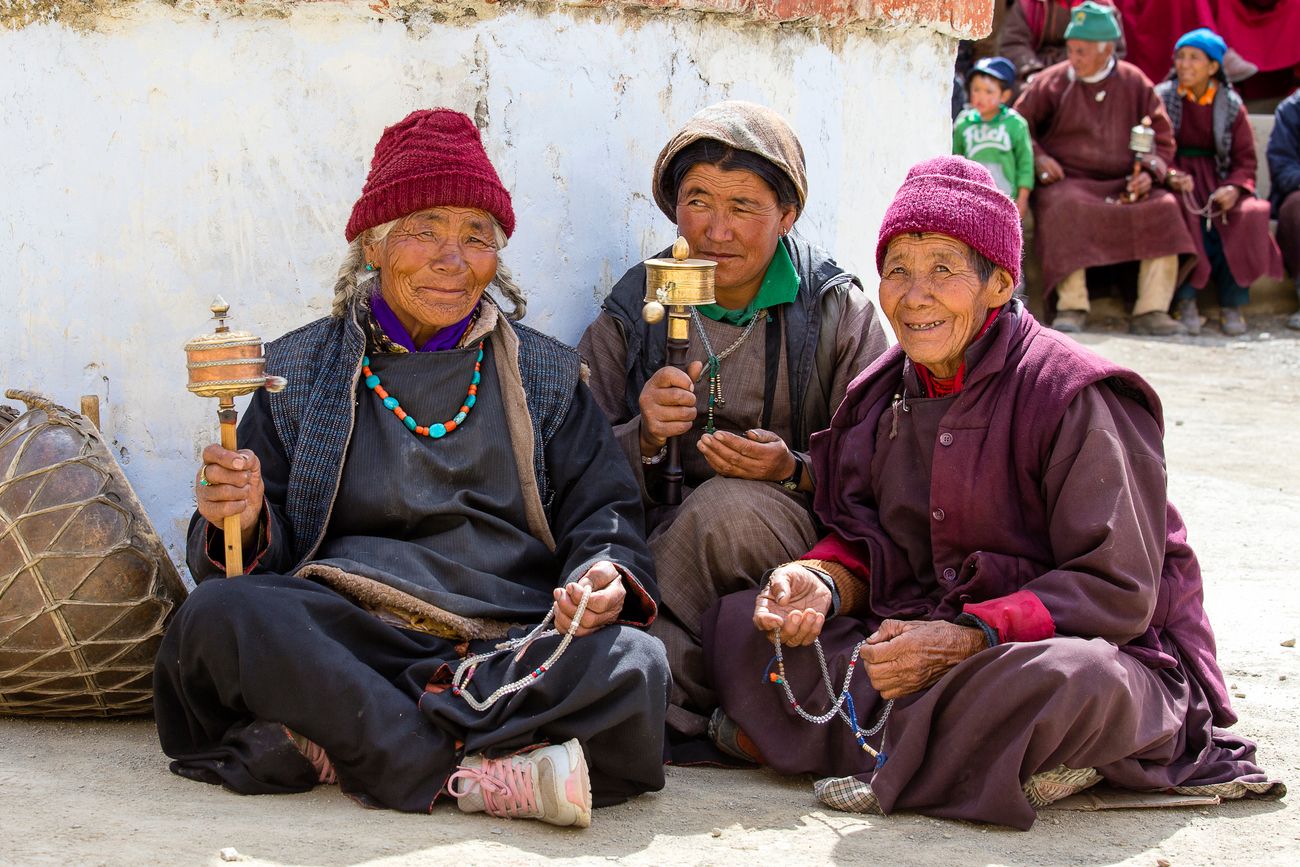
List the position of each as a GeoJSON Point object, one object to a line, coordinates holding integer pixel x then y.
{"type": "Point", "coordinates": [228, 364]}
{"type": "Point", "coordinates": [1142, 142]}
{"type": "Point", "coordinates": [675, 286]}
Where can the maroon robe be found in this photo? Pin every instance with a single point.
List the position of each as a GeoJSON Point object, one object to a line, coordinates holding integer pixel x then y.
{"type": "Point", "coordinates": [1035, 499]}
{"type": "Point", "coordinates": [1074, 224]}
{"type": "Point", "coordinates": [1247, 245]}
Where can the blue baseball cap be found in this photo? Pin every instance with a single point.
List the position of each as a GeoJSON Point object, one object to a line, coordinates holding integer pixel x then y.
{"type": "Point", "coordinates": [994, 67]}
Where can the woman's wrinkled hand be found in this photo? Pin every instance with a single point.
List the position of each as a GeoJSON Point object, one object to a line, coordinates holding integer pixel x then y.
{"type": "Point", "coordinates": [906, 656]}
{"type": "Point", "coordinates": [759, 454]}
{"type": "Point", "coordinates": [668, 405]}
{"type": "Point", "coordinates": [604, 606]}
{"type": "Point", "coordinates": [795, 601]}
{"type": "Point", "coordinates": [234, 487]}
{"type": "Point", "coordinates": [1179, 182]}
{"type": "Point", "coordinates": [1225, 197]}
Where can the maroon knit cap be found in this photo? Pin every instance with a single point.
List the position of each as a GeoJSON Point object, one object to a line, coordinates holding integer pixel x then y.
{"type": "Point", "coordinates": [959, 198]}
{"type": "Point", "coordinates": [433, 158]}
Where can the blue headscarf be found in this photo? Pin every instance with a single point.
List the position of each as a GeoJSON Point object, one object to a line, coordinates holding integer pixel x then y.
{"type": "Point", "coordinates": [1205, 39]}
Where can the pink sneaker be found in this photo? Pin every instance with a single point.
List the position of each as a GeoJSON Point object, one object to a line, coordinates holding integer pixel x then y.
{"type": "Point", "coordinates": [547, 783]}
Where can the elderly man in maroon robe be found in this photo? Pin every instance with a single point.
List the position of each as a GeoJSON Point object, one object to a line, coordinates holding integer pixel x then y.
{"type": "Point", "coordinates": [1089, 209]}
{"type": "Point", "coordinates": [1003, 591]}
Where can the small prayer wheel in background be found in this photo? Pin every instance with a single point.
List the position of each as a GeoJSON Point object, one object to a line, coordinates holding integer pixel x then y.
{"type": "Point", "coordinates": [1141, 141]}
{"type": "Point", "coordinates": [228, 364]}
{"type": "Point", "coordinates": [675, 286]}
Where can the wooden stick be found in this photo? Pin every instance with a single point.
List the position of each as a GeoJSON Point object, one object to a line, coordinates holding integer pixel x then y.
{"type": "Point", "coordinates": [234, 535]}
{"type": "Point", "coordinates": [90, 408]}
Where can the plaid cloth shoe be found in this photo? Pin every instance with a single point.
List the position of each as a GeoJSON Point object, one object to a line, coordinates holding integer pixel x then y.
{"type": "Point", "coordinates": [848, 794]}
{"type": "Point", "coordinates": [313, 753]}
{"type": "Point", "coordinates": [549, 784]}
{"type": "Point", "coordinates": [1060, 782]}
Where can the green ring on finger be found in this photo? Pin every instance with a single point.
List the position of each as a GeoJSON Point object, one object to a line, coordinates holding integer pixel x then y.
{"type": "Point", "coordinates": [203, 476]}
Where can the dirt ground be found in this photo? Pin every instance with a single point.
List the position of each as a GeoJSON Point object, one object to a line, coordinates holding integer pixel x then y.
{"type": "Point", "coordinates": [92, 793]}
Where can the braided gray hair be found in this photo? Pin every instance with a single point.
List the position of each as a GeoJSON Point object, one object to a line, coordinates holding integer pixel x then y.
{"type": "Point", "coordinates": [348, 287]}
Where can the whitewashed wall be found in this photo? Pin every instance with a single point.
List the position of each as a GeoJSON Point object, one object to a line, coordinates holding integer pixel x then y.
{"type": "Point", "coordinates": [163, 157]}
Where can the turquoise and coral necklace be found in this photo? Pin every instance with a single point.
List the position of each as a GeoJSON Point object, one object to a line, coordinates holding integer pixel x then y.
{"type": "Point", "coordinates": [433, 431]}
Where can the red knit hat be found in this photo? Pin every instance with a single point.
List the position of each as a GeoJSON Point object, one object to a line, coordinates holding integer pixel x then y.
{"type": "Point", "coordinates": [957, 197]}
{"type": "Point", "coordinates": [433, 158]}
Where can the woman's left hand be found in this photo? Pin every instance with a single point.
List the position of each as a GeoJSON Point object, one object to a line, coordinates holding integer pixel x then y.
{"type": "Point", "coordinates": [759, 454]}
{"type": "Point", "coordinates": [906, 656]}
{"type": "Point", "coordinates": [1225, 197]}
{"type": "Point", "coordinates": [604, 606]}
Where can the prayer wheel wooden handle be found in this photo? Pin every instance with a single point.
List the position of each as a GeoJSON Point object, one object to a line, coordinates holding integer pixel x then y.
{"type": "Point", "coordinates": [230, 526]}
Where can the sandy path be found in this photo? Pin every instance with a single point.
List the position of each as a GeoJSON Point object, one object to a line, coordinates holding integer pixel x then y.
{"type": "Point", "coordinates": [91, 793]}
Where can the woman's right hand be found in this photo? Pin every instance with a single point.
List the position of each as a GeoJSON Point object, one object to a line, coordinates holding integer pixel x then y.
{"type": "Point", "coordinates": [234, 487]}
{"type": "Point", "coordinates": [668, 405]}
{"type": "Point", "coordinates": [795, 601]}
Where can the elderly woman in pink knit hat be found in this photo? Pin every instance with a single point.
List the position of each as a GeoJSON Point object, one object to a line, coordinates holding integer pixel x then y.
{"type": "Point", "coordinates": [1003, 609]}
{"type": "Point", "coordinates": [435, 479]}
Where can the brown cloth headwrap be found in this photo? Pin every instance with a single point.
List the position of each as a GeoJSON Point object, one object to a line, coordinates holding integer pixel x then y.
{"type": "Point", "coordinates": [744, 126]}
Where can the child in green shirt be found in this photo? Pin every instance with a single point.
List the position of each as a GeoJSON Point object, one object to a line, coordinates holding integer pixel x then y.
{"type": "Point", "coordinates": [994, 135]}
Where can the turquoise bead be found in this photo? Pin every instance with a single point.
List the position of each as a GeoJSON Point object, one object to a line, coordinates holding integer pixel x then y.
{"type": "Point", "coordinates": [365, 361]}
{"type": "Point", "coordinates": [480, 357]}
{"type": "Point", "coordinates": [372, 381]}
{"type": "Point", "coordinates": [460, 418]}
{"type": "Point", "coordinates": [437, 431]}
{"type": "Point", "coordinates": [470, 400]}
{"type": "Point", "coordinates": [410, 423]}
{"type": "Point", "coordinates": [477, 377]}
{"type": "Point", "coordinates": [391, 403]}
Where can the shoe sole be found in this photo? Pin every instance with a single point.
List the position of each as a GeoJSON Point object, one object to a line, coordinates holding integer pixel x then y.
{"type": "Point", "coordinates": [581, 814]}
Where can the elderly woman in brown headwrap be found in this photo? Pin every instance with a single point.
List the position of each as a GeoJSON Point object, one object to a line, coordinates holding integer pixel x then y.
{"type": "Point", "coordinates": [769, 363]}
{"type": "Point", "coordinates": [385, 549]}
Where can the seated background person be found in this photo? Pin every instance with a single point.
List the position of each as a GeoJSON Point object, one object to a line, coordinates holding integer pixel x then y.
{"type": "Point", "coordinates": [1033, 34]}
{"type": "Point", "coordinates": [383, 550]}
{"type": "Point", "coordinates": [999, 534]}
{"type": "Point", "coordinates": [1079, 113]}
{"type": "Point", "coordinates": [1284, 189]}
{"type": "Point", "coordinates": [790, 329]}
{"type": "Point", "coordinates": [1215, 166]}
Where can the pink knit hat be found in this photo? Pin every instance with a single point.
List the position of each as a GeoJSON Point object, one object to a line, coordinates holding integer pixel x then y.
{"type": "Point", "coordinates": [433, 158]}
{"type": "Point", "coordinates": [956, 197]}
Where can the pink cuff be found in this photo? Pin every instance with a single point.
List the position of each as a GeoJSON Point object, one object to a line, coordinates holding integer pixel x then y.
{"type": "Point", "coordinates": [1018, 617]}
{"type": "Point", "coordinates": [837, 550]}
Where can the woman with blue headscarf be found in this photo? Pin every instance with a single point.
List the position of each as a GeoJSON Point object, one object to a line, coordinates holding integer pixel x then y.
{"type": "Point", "coordinates": [1214, 170]}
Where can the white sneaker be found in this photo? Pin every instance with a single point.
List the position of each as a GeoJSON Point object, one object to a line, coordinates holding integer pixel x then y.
{"type": "Point", "coordinates": [549, 784]}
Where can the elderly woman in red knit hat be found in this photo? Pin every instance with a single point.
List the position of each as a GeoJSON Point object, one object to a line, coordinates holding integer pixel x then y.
{"type": "Point", "coordinates": [434, 480]}
{"type": "Point", "coordinates": [1004, 605]}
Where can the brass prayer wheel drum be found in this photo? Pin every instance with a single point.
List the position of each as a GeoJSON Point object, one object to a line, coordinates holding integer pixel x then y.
{"type": "Point", "coordinates": [86, 586]}
{"type": "Point", "coordinates": [1142, 137]}
{"type": "Point", "coordinates": [677, 282]}
{"type": "Point", "coordinates": [227, 363]}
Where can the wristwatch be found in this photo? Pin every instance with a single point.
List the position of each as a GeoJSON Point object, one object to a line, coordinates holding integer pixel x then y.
{"type": "Point", "coordinates": [792, 483]}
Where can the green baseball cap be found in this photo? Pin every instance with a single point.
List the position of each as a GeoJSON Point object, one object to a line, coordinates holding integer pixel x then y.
{"type": "Point", "coordinates": [1093, 22]}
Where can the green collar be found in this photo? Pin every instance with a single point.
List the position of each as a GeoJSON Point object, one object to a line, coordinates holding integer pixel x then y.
{"type": "Point", "coordinates": [780, 286]}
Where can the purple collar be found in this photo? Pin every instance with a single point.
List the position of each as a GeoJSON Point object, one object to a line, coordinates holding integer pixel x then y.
{"type": "Point", "coordinates": [446, 338]}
